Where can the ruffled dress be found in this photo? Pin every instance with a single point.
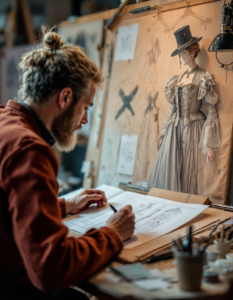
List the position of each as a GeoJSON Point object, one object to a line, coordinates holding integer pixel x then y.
{"type": "Point", "coordinates": [185, 131]}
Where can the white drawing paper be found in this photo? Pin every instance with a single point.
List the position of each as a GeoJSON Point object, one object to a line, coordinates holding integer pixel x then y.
{"type": "Point", "coordinates": [154, 216]}
{"type": "Point", "coordinates": [127, 154]}
{"type": "Point", "coordinates": [108, 164]}
{"type": "Point", "coordinates": [86, 168]}
{"type": "Point", "coordinates": [126, 42]}
{"type": "Point", "coordinates": [98, 119]}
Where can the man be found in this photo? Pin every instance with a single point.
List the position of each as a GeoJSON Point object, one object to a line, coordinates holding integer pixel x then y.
{"type": "Point", "coordinates": [37, 258]}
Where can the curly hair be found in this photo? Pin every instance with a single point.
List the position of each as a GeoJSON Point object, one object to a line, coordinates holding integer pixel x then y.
{"type": "Point", "coordinates": [54, 66]}
{"type": "Point", "coordinates": [194, 48]}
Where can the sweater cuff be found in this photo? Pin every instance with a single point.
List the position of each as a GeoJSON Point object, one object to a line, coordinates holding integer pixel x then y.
{"type": "Point", "coordinates": [62, 204]}
{"type": "Point", "coordinates": [118, 245]}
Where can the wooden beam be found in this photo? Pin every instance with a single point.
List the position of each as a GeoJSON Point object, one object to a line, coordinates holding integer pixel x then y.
{"type": "Point", "coordinates": [11, 23]}
{"type": "Point", "coordinates": [126, 15]}
{"type": "Point", "coordinates": [163, 6]}
{"type": "Point", "coordinates": [27, 21]}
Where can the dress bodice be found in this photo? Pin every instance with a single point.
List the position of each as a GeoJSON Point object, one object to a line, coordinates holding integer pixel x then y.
{"type": "Point", "coordinates": [187, 104]}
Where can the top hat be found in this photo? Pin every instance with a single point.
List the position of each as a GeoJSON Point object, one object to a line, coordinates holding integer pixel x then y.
{"type": "Point", "coordinates": [184, 39]}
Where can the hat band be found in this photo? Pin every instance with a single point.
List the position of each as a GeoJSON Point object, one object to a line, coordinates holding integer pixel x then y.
{"type": "Point", "coordinates": [184, 45]}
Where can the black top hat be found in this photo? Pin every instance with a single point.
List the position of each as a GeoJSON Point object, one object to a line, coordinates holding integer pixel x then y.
{"type": "Point", "coordinates": [184, 39]}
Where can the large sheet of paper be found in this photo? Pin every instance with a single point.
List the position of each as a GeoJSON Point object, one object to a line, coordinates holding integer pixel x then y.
{"type": "Point", "coordinates": [126, 42]}
{"type": "Point", "coordinates": [127, 154]}
{"type": "Point", "coordinates": [154, 216]}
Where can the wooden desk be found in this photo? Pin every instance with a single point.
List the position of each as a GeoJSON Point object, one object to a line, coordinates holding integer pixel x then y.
{"type": "Point", "coordinates": [106, 290]}
{"type": "Point", "coordinates": [102, 288]}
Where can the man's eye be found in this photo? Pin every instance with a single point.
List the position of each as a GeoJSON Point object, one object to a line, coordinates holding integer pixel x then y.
{"type": "Point", "coordinates": [87, 108]}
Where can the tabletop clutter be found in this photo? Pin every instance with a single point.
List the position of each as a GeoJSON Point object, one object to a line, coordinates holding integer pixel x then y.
{"type": "Point", "coordinates": [207, 259]}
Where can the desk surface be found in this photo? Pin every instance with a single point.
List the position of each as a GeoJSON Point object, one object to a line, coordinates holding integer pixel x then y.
{"type": "Point", "coordinates": [99, 286]}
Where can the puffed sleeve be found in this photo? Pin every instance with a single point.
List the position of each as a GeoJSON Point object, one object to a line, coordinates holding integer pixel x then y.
{"type": "Point", "coordinates": [169, 89]}
{"type": "Point", "coordinates": [210, 136]}
{"type": "Point", "coordinates": [170, 96]}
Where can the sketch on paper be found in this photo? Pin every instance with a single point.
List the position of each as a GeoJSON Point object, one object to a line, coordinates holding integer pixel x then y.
{"type": "Point", "coordinates": [126, 42]}
{"type": "Point", "coordinates": [150, 125]}
{"type": "Point", "coordinates": [126, 102]}
{"type": "Point", "coordinates": [127, 154]}
{"type": "Point", "coordinates": [187, 13]}
{"type": "Point", "coordinates": [159, 19]}
{"type": "Point", "coordinates": [108, 164]}
{"type": "Point", "coordinates": [149, 71]}
{"type": "Point", "coordinates": [153, 216]}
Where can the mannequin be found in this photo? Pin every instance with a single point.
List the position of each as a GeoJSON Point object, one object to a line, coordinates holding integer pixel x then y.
{"type": "Point", "coordinates": [186, 128]}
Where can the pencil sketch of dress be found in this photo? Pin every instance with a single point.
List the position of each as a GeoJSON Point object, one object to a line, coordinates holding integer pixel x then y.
{"type": "Point", "coordinates": [185, 130]}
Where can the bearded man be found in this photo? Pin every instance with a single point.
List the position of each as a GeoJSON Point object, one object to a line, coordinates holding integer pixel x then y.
{"type": "Point", "coordinates": [37, 259]}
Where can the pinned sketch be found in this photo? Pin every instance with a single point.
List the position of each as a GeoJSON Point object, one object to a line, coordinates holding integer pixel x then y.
{"type": "Point", "coordinates": [86, 168]}
{"type": "Point", "coordinates": [149, 71]}
{"type": "Point", "coordinates": [126, 42]}
{"type": "Point", "coordinates": [127, 154]}
{"type": "Point", "coordinates": [98, 119]}
{"type": "Point", "coordinates": [108, 163]}
{"type": "Point", "coordinates": [149, 127]}
{"type": "Point", "coordinates": [126, 102]}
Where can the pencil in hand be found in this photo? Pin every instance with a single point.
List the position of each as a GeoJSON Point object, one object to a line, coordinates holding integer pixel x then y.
{"type": "Point", "coordinates": [113, 208]}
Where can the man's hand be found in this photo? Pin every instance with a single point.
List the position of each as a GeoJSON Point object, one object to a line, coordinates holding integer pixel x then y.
{"type": "Point", "coordinates": [84, 199]}
{"type": "Point", "coordinates": [210, 154]}
{"type": "Point", "coordinates": [123, 223]}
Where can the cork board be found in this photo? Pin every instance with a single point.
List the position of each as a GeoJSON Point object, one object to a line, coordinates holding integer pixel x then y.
{"type": "Point", "coordinates": [150, 71]}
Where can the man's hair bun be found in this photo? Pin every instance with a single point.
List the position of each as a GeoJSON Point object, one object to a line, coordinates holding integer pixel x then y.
{"type": "Point", "coordinates": [51, 39]}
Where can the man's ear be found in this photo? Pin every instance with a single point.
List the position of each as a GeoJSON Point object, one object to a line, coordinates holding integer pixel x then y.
{"type": "Point", "coordinates": [65, 97]}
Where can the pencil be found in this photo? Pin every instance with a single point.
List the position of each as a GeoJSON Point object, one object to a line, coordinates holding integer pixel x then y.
{"type": "Point", "coordinates": [212, 231]}
{"type": "Point", "coordinates": [113, 208]}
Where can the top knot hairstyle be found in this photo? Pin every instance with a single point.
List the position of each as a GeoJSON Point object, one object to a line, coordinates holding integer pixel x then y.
{"type": "Point", "coordinates": [54, 66]}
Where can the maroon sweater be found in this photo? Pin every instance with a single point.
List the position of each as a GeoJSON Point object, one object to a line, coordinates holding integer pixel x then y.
{"type": "Point", "coordinates": [35, 249]}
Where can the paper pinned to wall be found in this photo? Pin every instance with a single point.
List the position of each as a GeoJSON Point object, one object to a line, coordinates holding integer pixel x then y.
{"type": "Point", "coordinates": [98, 119]}
{"type": "Point", "coordinates": [127, 154]}
{"type": "Point", "coordinates": [86, 168]}
{"type": "Point", "coordinates": [126, 42]}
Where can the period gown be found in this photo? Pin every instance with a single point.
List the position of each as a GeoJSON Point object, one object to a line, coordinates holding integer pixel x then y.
{"type": "Point", "coordinates": [185, 131]}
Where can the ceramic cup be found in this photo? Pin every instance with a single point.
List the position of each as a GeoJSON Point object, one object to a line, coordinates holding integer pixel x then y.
{"type": "Point", "coordinates": [212, 253]}
{"type": "Point", "coordinates": [189, 269]}
{"type": "Point", "coordinates": [223, 247]}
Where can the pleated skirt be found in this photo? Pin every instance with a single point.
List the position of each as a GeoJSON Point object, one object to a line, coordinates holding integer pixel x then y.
{"type": "Point", "coordinates": [176, 166]}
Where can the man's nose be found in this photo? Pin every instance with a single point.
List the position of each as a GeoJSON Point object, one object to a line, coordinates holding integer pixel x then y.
{"type": "Point", "coordinates": [85, 118]}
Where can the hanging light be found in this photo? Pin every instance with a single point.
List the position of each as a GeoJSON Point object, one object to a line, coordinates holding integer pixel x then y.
{"type": "Point", "coordinates": [223, 42]}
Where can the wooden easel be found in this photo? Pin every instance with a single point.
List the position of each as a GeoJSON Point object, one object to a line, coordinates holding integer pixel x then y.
{"type": "Point", "coordinates": [19, 7]}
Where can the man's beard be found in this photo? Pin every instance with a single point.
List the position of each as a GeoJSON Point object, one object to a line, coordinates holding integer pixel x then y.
{"type": "Point", "coordinates": [63, 130]}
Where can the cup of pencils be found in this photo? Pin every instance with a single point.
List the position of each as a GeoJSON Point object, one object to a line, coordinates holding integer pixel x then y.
{"type": "Point", "coordinates": [189, 262]}
{"type": "Point", "coordinates": [223, 243]}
